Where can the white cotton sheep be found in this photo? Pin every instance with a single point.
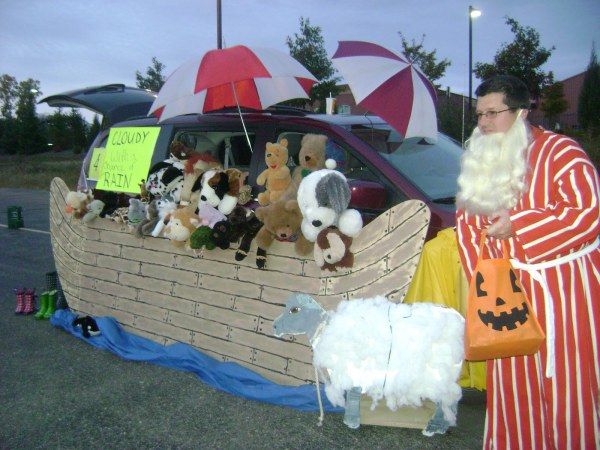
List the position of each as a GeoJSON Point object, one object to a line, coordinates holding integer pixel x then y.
{"type": "Point", "coordinates": [402, 353]}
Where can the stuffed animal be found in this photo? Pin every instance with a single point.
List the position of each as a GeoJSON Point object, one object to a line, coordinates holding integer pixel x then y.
{"type": "Point", "coordinates": [276, 177]}
{"type": "Point", "coordinates": [312, 157]}
{"type": "Point", "coordinates": [323, 198]}
{"type": "Point", "coordinates": [136, 212]}
{"type": "Point", "coordinates": [241, 223]}
{"type": "Point", "coordinates": [195, 166]}
{"type": "Point", "coordinates": [164, 206]}
{"type": "Point", "coordinates": [94, 208]}
{"type": "Point", "coordinates": [179, 226]}
{"type": "Point", "coordinates": [209, 215]}
{"type": "Point", "coordinates": [147, 224]}
{"type": "Point", "coordinates": [180, 152]}
{"type": "Point", "coordinates": [166, 177]}
{"type": "Point", "coordinates": [281, 220]}
{"type": "Point", "coordinates": [202, 238]}
{"type": "Point", "coordinates": [220, 189]}
{"type": "Point", "coordinates": [77, 202]}
{"type": "Point", "coordinates": [88, 326]}
{"type": "Point", "coordinates": [332, 250]}
{"type": "Point", "coordinates": [145, 196]}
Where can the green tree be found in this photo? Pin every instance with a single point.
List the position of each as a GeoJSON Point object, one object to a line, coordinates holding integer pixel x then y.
{"type": "Point", "coordinates": [93, 130]}
{"type": "Point", "coordinates": [58, 132]}
{"type": "Point", "coordinates": [78, 130]}
{"type": "Point", "coordinates": [308, 47]}
{"type": "Point", "coordinates": [154, 78]}
{"type": "Point", "coordinates": [8, 94]}
{"type": "Point", "coordinates": [8, 127]}
{"type": "Point", "coordinates": [589, 98]}
{"type": "Point", "coordinates": [426, 61]}
{"type": "Point", "coordinates": [30, 130]}
{"type": "Point", "coordinates": [522, 58]}
{"type": "Point", "coordinates": [553, 101]}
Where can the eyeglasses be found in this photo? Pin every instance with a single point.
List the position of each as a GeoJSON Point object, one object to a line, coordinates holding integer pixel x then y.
{"type": "Point", "coordinates": [491, 114]}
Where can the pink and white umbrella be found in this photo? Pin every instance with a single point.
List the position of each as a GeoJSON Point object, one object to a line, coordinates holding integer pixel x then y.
{"type": "Point", "coordinates": [388, 85]}
{"type": "Point", "coordinates": [239, 76]}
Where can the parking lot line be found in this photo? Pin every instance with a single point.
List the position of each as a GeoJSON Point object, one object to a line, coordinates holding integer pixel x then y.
{"type": "Point", "coordinates": [27, 229]}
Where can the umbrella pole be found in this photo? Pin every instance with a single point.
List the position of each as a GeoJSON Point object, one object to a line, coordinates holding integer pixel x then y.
{"type": "Point", "coordinates": [241, 117]}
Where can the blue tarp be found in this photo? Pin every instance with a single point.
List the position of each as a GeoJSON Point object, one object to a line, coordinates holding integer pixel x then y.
{"type": "Point", "coordinates": [226, 376]}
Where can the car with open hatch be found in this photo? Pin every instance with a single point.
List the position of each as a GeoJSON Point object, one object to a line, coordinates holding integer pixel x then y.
{"type": "Point", "coordinates": [382, 169]}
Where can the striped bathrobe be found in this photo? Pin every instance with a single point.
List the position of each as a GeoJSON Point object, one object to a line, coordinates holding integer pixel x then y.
{"type": "Point", "coordinates": [557, 216]}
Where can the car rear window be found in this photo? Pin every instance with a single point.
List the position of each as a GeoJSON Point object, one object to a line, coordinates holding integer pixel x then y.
{"type": "Point", "coordinates": [229, 147]}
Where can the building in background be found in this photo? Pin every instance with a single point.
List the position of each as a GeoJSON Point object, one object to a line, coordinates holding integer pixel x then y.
{"type": "Point", "coordinates": [345, 104]}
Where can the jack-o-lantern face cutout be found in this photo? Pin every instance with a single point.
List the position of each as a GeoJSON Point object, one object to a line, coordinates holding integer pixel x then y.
{"type": "Point", "coordinates": [506, 310]}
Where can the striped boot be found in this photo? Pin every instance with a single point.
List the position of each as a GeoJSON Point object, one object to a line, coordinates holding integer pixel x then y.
{"type": "Point", "coordinates": [29, 305]}
{"type": "Point", "coordinates": [20, 293]}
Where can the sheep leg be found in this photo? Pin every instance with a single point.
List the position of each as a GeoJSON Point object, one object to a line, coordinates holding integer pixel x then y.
{"type": "Point", "coordinates": [352, 411]}
{"type": "Point", "coordinates": [438, 423]}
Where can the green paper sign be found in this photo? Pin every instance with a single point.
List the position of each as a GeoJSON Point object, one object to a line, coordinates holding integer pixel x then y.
{"type": "Point", "coordinates": [96, 163]}
{"type": "Point", "coordinates": [127, 158]}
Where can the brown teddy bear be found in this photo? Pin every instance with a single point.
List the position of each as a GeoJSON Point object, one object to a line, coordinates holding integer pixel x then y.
{"type": "Point", "coordinates": [312, 157]}
{"type": "Point", "coordinates": [332, 250]}
{"type": "Point", "coordinates": [281, 220]}
{"type": "Point", "coordinates": [276, 177]}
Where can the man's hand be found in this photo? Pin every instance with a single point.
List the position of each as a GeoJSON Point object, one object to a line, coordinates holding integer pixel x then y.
{"type": "Point", "coordinates": [502, 227]}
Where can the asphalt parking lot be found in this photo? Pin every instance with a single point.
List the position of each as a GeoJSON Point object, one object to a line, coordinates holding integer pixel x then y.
{"type": "Point", "coordinates": [57, 391]}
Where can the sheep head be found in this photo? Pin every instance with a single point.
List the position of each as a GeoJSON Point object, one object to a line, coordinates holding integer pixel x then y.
{"type": "Point", "coordinates": [302, 315]}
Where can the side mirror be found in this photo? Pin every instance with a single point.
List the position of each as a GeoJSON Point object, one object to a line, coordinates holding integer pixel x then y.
{"type": "Point", "coordinates": [367, 195]}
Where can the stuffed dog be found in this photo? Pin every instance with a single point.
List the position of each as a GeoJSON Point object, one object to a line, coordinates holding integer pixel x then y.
{"type": "Point", "coordinates": [323, 198]}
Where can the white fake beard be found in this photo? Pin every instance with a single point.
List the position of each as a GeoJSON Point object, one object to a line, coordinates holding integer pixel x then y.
{"type": "Point", "coordinates": [493, 170]}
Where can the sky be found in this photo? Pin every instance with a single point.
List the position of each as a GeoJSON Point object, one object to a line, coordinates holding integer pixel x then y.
{"type": "Point", "coordinates": [70, 44]}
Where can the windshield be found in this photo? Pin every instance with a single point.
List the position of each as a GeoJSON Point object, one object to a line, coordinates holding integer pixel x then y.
{"type": "Point", "coordinates": [433, 167]}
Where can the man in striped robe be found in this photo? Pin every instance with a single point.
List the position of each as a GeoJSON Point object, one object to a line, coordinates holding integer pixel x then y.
{"type": "Point", "coordinates": [538, 190]}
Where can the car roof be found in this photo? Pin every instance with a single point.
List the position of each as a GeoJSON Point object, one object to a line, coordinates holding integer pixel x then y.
{"type": "Point", "coordinates": [116, 102]}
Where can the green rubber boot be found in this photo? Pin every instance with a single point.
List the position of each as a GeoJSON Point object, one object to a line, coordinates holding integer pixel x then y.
{"type": "Point", "coordinates": [43, 306]}
{"type": "Point", "coordinates": [51, 304]}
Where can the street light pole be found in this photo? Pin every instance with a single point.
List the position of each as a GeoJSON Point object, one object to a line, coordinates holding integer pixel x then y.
{"type": "Point", "coordinates": [219, 33]}
{"type": "Point", "coordinates": [473, 13]}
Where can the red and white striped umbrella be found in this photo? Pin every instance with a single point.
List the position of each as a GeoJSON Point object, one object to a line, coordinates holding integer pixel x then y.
{"type": "Point", "coordinates": [388, 85]}
{"type": "Point", "coordinates": [239, 76]}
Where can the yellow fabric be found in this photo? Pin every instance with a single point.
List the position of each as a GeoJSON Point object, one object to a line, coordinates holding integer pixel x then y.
{"type": "Point", "coordinates": [440, 278]}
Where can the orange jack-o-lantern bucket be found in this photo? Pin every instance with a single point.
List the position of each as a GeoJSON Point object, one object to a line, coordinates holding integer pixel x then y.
{"type": "Point", "coordinates": [500, 321]}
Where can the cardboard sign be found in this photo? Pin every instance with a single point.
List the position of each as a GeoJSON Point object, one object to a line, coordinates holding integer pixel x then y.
{"type": "Point", "coordinates": [96, 163]}
{"type": "Point", "coordinates": [127, 158]}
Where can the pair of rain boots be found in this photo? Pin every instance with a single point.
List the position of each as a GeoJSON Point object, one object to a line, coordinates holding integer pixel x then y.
{"type": "Point", "coordinates": [25, 301]}
{"type": "Point", "coordinates": [47, 305]}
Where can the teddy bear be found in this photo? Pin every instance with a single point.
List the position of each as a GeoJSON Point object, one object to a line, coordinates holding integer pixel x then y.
{"type": "Point", "coordinates": [323, 198]}
{"type": "Point", "coordinates": [276, 177]}
{"type": "Point", "coordinates": [77, 202]}
{"type": "Point", "coordinates": [332, 250]}
{"type": "Point", "coordinates": [94, 209]}
{"type": "Point", "coordinates": [220, 189]}
{"type": "Point", "coordinates": [147, 224]}
{"type": "Point", "coordinates": [281, 220]}
{"type": "Point", "coordinates": [179, 226]}
{"type": "Point", "coordinates": [313, 156]}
